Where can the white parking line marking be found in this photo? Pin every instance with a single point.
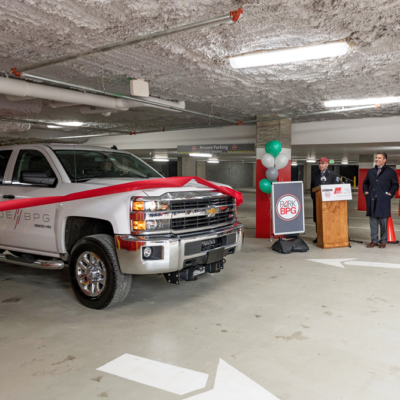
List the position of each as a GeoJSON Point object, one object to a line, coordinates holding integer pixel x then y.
{"type": "Point", "coordinates": [156, 374]}
{"type": "Point", "coordinates": [233, 385]}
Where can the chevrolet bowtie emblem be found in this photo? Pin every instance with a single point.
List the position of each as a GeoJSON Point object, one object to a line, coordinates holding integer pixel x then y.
{"type": "Point", "coordinates": [211, 211]}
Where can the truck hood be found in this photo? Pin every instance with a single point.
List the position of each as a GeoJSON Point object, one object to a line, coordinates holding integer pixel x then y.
{"type": "Point", "coordinates": [189, 187]}
{"type": "Point", "coordinates": [103, 182]}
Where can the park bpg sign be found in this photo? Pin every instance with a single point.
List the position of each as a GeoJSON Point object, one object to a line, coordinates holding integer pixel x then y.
{"type": "Point", "coordinates": [287, 208]}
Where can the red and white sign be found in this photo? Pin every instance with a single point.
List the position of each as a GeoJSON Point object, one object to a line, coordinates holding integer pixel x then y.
{"type": "Point", "coordinates": [234, 147]}
{"type": "Point", "coordinates": [194, 148]}
{"type": "Point", "coordinates": [288, 207]}
{"type": "Point", "coordinates": [336, 192]}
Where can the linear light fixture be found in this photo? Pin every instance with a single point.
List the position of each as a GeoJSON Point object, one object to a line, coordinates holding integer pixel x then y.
{"type": "Point", "coordinates": [362, 102]}
{"type": "Point", "coordinates": [294, 163]}
{"type": "Point", "coordinates": [71, 123]}
{"type": "Point", "coordinates": [200, 154]}
{"type": "Point", "coordinates": [54, 126]}
{"type": "Point", "coordinates": [311, 160]}
{"type": "Point", "coordinates": [288, 55]}
{"type": "Point", "coordinates": [161, 159]}
{"type": "Point", "coordinates": [213, 161]}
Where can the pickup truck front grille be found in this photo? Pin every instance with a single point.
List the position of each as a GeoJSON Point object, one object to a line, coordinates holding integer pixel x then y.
{"type": "Point", "coordinates": [201, 203]}
{"type": "Point", "coordinates": [202, 221]}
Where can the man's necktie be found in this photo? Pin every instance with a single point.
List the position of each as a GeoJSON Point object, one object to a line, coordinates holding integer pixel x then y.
{"type": "Point", "coordinates": [379, 171]}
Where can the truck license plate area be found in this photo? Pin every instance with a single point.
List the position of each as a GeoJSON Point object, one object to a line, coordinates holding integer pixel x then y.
{"type": "Point", "coordinates": [214, 256]}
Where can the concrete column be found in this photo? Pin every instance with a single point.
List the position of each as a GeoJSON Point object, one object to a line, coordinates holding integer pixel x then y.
{"type": "Point", "coordinates": [179, 172]}
{"type": "Point", "coordinates": [336, 168]}
{"type": "Point", "coordinates": [201, 169]}
{"type": "Point", "coordinates": [366, 162]}
{"type": "Point", "coordinates": [266, 131]}
{"type": "Point", "coordinates": [188, 166]}
{"type": "Point", "coordinates": [307, 175]}
{"type": "Point", "coordinates": [254, 175]}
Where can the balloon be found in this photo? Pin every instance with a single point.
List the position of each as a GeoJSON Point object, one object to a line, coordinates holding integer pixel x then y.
{"type": "Point", "coordinates": [274, 147]}
{"type": "Point", "coordinates": [265, 186]}
{"type": "Point", "coordinates": [281, 161]}
{"type": "Point", "coordinates": [272, 174]}
{"type": "Point", "coordinates": [267, 160]}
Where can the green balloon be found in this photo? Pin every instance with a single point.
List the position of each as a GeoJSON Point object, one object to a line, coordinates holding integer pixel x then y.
{"type": "Point", "coordinates": [274, 148]}
{"type": "Point", "coordinates": [265, 186]}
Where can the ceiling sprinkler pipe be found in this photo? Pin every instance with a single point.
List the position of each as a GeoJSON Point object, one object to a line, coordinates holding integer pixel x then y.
{"type": "Point", "coordinates": [167, 32]}
{"type": "Point", "coordinates": [99, 110]}
{"type": "Point", "coordinates": [157, 103]}
{"type": "Point", "coordinates": [60, 104]}
{"type": "Point", "coordinates": [22, 88]}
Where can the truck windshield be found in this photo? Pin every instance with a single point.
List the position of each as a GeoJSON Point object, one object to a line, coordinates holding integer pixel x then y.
{"type": "Point", "coordinates": [83, 165]}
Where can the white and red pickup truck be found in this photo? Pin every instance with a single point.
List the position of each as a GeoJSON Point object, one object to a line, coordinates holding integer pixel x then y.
{"type": "Point", "coordinates": [181, 232]}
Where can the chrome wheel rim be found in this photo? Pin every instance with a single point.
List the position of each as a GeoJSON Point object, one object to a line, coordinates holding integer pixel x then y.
{"type": "Point", "coordinates": [91, 274]}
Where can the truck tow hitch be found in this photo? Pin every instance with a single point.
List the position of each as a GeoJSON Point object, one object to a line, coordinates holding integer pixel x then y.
{"type": "Point", "coordinates": [191, 273]}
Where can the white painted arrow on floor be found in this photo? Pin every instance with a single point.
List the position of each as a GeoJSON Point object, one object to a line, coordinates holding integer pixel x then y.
{"type": "Point", "coordinates": [156, 374]}
{"type": "Point", "coordinates": [338, 262]}
{"type": "Point", "coordinates": [233, 385]}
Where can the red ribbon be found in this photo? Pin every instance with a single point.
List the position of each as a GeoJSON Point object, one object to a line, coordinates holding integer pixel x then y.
{"type": "Point", "coordinates": [124, 187]}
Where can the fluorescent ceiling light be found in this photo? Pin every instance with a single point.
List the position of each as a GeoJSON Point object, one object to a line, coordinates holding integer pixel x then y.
{"type": "Point", "coordinates": [294, 163]}
{"type": "Point", "coordinates": [161, 159]}
{"type": "Point", "coordinates": [71, 123]}
{"type": "Point", "coordinates": [311, 160]}
{"type": "Point", "coordinates": [213, 161]}
{"type": "Point", "coordinates": [362, 102]}
{"type": "Point", "coordinates": [200, 154]}
{"type": "Point", "coordinates": [288, 55]}
{"type": "Point", "coordinates": [54, 126]}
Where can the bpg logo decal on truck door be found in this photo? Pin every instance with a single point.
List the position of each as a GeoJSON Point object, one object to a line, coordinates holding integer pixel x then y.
{"type": "Point", "coordinates": [288, 207]}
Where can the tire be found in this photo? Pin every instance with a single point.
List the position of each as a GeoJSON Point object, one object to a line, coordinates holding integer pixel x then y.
{"type": "Point", "coordinates": [95, 275]}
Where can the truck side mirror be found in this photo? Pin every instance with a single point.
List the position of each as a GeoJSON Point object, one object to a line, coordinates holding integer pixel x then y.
{"type": "Point", "coordinates": [37, 178]}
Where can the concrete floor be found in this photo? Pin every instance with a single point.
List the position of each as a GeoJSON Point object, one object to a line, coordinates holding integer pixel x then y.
{"type": "Point", "coordinates": [302, 330]}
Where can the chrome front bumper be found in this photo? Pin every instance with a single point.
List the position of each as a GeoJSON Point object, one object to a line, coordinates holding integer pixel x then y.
{"type": "Point", "coordinates": [130, 250]}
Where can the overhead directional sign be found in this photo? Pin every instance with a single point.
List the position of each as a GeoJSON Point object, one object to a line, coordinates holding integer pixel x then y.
{"type": "Point", "coordinates": [217, 148]}
{"type": "Point", "coordinates": [340, 262]}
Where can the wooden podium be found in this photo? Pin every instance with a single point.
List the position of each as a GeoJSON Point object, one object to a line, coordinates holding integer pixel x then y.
{"type": "Point", "coordinates": [332, 222]}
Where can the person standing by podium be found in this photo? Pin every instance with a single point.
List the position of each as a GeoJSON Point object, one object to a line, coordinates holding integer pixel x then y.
{"type": "Point", "coordinates": [321, 177]}
{"type": "Point", "coordinates": [380, 185]}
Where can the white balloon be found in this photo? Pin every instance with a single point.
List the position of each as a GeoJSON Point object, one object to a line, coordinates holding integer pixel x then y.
{"type": "Point", "coordinates": [267, 160]}
{"type": "Point", "coordinates": [281, 161]}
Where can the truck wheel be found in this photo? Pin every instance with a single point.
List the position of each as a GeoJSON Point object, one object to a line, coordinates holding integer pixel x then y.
{"type": "Point", "coordinates": [95, 275]}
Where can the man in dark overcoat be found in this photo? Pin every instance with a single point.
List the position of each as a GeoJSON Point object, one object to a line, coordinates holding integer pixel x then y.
{"type": "Point", "coordinates": [322, 176]}
{"type": "Point", "coordinates": [380, 185]}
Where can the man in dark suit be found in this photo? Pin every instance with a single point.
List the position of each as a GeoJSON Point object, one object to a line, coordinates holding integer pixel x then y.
{"type": "Point", "coordinates": [380, 185]}
{"type": "Point", "coordinates": [321, 177]}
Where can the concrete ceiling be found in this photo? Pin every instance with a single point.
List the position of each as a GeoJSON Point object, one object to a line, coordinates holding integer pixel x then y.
{"type": "Point", "coordinates": [193, 66]}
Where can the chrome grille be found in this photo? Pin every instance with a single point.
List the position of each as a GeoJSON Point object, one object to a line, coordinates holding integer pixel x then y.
{"type": "Point", "coordinates": [202, 221]}
{"type": "Point", "coordinates": [201, 203]}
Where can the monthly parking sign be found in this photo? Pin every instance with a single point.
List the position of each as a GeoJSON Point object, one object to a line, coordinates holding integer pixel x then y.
{"type": "Point", "coordinates": [288, 208]}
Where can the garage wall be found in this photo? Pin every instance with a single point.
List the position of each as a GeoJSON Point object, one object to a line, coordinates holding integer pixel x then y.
{"type": "Point", "coordinates": [235, 174]}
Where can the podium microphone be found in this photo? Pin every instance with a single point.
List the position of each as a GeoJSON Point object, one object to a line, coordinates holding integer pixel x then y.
{"type": "Point", "coordinates": [340, 176]}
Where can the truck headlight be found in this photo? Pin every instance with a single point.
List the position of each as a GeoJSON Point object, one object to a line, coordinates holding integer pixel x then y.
{"type": "Point", "coordinates": [151, 225]}
{"type": "Point", "coordinates": [150, 205]}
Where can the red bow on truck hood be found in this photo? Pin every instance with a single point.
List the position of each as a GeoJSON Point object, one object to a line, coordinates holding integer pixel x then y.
{"type": "Point", "coordinates": [124, 187]}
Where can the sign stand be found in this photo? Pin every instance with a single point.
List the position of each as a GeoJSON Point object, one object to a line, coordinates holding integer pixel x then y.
{"type": "Point", "coordinates": [288, 216]}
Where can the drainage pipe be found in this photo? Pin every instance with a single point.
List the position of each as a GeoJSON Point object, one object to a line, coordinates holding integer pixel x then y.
{"type": "Point", "coordinates": [232, 16]}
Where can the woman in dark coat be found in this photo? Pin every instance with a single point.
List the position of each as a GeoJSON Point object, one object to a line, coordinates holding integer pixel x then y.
{"type": "Point", "coordinates": [380, 185]}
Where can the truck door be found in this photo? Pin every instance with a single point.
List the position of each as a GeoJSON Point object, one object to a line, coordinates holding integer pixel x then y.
{"type": "Point", "coordinates": [5, 156]}
{"type": "Point", "coordinates": [30, 229]}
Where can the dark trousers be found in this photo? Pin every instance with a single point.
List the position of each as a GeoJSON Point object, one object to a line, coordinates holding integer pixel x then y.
{"type": "Point", "coordinates": [373, 223]}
